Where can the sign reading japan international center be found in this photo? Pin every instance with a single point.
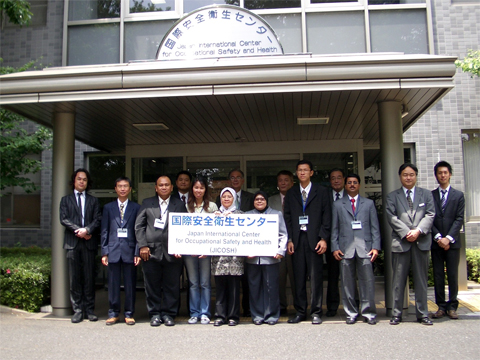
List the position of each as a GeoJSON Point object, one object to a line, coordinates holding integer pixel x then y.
{"type": "Point", "coordinates": [219, 31]}
{"type": "Point", "coordinates": [232, 235]}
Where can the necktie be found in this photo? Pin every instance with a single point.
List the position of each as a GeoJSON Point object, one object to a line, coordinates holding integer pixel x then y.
{"type": "Point", "coordinates": [353, 205]}
{"type": "Point", "coordinates": [337, 196]}
{"type": "Point", "coordinates": [304, 196]}
{"type": "Point", "coordinates": [80, 205]}
{"type": "Point", "coordinates": [409, 200]}
{"type": "Point", "coordinates": [237, 202]}
{"type": "Point", "coordinates": [444, 199]}
{"type": "Point", "coordinates": [283, 204]}
{"type": "Point", "coordinates": [121, 211]}
{"type": "Point", "coordinates": [183, 199]}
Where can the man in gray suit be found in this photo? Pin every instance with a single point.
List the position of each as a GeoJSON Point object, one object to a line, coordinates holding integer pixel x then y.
{"type": "Point", "coordinates": [355, 243]}
{"type": "Point", "coordinates": [410, 213]}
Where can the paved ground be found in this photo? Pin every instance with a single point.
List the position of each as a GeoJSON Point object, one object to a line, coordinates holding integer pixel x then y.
{"type": "Point", "coordinates": [39, 336]}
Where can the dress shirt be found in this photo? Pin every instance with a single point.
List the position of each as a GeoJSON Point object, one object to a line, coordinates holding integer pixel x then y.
{"type": "Point", "coordinates": [307, 189]}
{"type": "Point", "coordinates": [186, 197]}
{"type": "Point", "coordinates": [82, 200]}
{"type": "Point", "coordinates": [340, 194]}
{"type": "Point", "coordinates": [124, 208]}
{"type": "Point", "coordinates": [412, 195]}
{"type": "Point", "coordinates": [163, 206]}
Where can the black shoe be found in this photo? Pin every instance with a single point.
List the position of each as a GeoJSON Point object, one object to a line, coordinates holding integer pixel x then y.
{"type": "Point", "coordinates": [296, 319]}
{"type": "Point", "coordinates": [247, 313]}
{"type": "Point", "coordinates": [218, 322]}
{"type": "Point", "coordinates": [395, 320]}
{"type": "Point", "coordinates": [77, 317]}
{"type": "Point", "coordinates": [370, 321]}
{"type": "Point", "coordinates": [351, 320]}
{"type": "Point", "coordinates": [92, 317]}
{"type": "Point", "coordinates": [155, 321]}
{"type": "Point", "coordinates": [168, 321]}
{"type": "Point", "coordinates": [425, 321]}
{"type": "Point", "coordinates": [316, 320]}
{"type": "Point", "coordinates": [232, 322]}
{"type": "Point", "coordinates": [258, 322]}
{"type": "Point", "coordinates": [271, 322]}
{"type": "Point", "coordinates": [331, 313]}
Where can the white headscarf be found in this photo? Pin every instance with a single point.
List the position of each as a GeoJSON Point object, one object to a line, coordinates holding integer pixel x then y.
{"type": "Point", "coordinates": [234, 194]}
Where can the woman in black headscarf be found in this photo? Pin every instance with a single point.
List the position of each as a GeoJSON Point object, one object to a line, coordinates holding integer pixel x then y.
{"type": "Point", "coordinates": [263, 271]}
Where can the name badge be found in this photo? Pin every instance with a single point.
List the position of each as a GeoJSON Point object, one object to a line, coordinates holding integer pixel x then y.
{"type": "Point", "coordinates": [303, 220]}
{"type": "Point", "coordinates": [159, 223]}
{"type": "Point", "coordinates": [122, 233]}
{"type": "Point", "coordinates": [356, 225]}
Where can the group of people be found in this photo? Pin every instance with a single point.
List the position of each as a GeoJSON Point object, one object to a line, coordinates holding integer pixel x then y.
{"type": "Point", "coordinates": [313, 221]}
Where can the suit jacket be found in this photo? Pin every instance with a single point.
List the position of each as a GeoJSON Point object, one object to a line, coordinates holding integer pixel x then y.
{"type": "Point", "coordinates": [147, 234]}
{"type": "Point", "coordinates": [282, 240]}
{"type": "Point", "coordinates": [349, 241]}
{"type": "Point", "coordinates": [318, 210]}
{"type": "Point", "coordinates": [275, 202]}
{"type": "Point", "coordinates": [114, 247]}
{"type": "Point", "coordinates": [449, 222]}
{"type": "Point", "coordinates": [246, 201]}
{"type": "Point", "coordinates": [402, 220]}
{"type": "Point", "coordinates": [71, 218]}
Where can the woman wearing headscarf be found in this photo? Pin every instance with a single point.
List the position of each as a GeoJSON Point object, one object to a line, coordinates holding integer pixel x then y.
{"type": "Point", "coordinates": [263, 271]}
{"type": "Point", "coordinates": [198, 267]}
{"type": "Point", "coordinates": [228, 271]}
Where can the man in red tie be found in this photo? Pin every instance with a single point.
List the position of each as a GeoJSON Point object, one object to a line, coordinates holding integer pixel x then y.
{"type": "Point", "coordinates": [183, 182]}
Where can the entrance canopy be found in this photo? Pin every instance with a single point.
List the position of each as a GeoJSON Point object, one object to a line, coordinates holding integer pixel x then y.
{"type": "Point", "coordinates": [224, 100]}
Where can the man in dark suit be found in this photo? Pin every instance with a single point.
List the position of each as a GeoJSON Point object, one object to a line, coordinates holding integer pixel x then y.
{"type": "Point", "coordinates": [308, 219]}
{"type": "Point", "coordinates": [449, 213]}
{"type": "Point", "coordinates": [244, 202]}
{"type": "Point", "coordinates": [161, 270]}
{"type": "Point", "coordinates": [80, 214]}
{"type": "Point", "coordinates": [337, 182]}
{"type": "Point", "coordinates": [120, 251]}
{"type": "Point", "coordinates": [183, 181]}
{"type": "Point", "coordinates": [355, 245]}
{"type": "Point", "coordinates": [277, 202]}
{"type": "Point", "coordinates": [410, 213]}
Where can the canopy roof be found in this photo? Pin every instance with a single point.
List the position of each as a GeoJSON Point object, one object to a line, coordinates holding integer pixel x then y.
{"type": "Point", "coordinates": [225, 100]}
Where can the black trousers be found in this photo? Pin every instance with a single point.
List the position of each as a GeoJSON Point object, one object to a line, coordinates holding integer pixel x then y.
{"type": "Point", "coordinates": [333, 293]}
{"type": "Point", "coordinates": [81, 268]}
{"type": "Point", "coordinates": [227, 303]}
{"type": "Point", "coordinates": [307, 264]}
{"type": "Point", "coordinates": [264, 293]}
{"type": "Point", "coordinates": [450, 260]}
{"type": "Point", "coordinates": [162, 286]}
{"type": "Point", "coordinates": [114, 284]}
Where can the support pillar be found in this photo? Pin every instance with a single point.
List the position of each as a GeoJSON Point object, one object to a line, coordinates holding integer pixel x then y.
{"type": "Point", "coordinates": [63, 162]}
{"type": "Point", "coordinates": [391, 151]}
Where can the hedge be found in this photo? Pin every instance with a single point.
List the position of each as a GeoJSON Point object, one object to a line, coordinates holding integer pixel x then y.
{"type": "Point", "coordinates": [473, 264]}
{"type": "Point", "coordinates": [25, 277]}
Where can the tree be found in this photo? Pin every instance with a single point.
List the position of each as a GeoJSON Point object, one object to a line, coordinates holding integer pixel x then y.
{"type": "Point", "coordinates": [471, 63]}
{"type": "Point", "coordinates": [16, 144]}
{"type": "Point", "coordinates": [17, 11]}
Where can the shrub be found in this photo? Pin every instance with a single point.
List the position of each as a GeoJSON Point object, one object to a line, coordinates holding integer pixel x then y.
{"type": "Point", "coordinates": [25, 277]}
{"type": "Point", "coordinates": [473, 264]}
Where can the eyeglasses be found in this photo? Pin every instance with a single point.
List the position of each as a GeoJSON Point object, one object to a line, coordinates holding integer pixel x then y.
{"type": "Point", "coordinates": [352, 183]}
{"type": "Point", "coordinates": [232, 178]}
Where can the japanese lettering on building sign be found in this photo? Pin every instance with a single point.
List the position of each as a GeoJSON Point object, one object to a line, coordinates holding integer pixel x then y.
{"type": "Point", "coordinates": [219, 31]}
{"type": "Point", "coordinates": [232, 235]}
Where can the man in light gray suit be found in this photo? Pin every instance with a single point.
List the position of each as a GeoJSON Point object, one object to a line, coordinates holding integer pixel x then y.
{"type": "Point", "coordinates": [355, 243]}
{"type": "Point", "coordinates": [410, 213]}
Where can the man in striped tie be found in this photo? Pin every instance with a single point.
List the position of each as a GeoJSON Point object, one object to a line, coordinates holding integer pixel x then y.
{"type": "Point", "coordinates": [449, 213]}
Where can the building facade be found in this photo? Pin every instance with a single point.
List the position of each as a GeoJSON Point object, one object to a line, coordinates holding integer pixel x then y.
{"type": "Point", "coordinates": [71, 33]}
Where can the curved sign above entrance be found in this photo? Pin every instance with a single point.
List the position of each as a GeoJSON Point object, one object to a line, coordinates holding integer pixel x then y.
{"type": "Point", "coordinates": [219, 31]}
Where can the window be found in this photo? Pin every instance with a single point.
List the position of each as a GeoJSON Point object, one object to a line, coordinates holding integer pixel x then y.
{"type": "Point", "coordinates": [93, 9]}
{"type": "Point", "coordinates": [271, 4]}
{"type": "Point", "coordinates": [140, 6]}
{"type": "Point", "coordinates": [190, 5]}
{"type": "Point", "coordinates": [21, 209]}
{"type": "Point", "coordinates": [471, 168]}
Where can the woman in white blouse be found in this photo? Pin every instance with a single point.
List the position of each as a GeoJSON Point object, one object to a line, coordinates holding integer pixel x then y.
{"type": "Point", "coordinates": [198, 267]}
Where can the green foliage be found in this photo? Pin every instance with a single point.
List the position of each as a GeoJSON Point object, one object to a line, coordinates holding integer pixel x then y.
{"type": "Point", "coordinates": [473, 264]}
{"type": "Point", "coordinates": [25, 277]}
{"type": "Point", "coordinates": [17, 11]}
{"type": "Point", "coordinates": [16, 144]}
{"type": "Point", "coordinates": [471, 63]}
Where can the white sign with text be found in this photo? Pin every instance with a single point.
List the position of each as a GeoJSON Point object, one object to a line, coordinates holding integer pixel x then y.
{"type": "Point", "coordinates": [232, 235]}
